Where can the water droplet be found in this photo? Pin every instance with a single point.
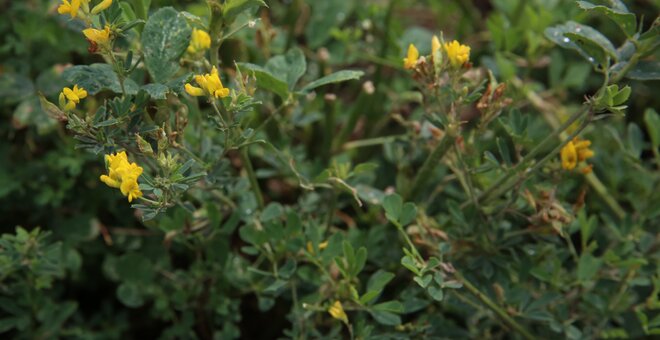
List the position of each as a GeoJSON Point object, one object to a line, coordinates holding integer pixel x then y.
{"type": "Point", "coordinates": [566, 40]}
{"type": "Point", "coordinates": [578, 29]}
{"type": "Point", "coordinates": [591, 59]}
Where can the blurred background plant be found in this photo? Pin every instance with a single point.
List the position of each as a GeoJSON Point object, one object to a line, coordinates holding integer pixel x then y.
{"type": "Point", "coordinates": [429, 202]}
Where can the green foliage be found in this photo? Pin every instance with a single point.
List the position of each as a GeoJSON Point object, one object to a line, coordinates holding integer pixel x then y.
{"type": "Point", "coordinates": [437, 201]}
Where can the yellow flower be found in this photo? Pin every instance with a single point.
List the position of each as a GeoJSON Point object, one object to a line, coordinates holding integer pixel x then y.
{"type": "Point", "coordinates": [458, 54]}
{"type": "Point", "coordinates": [210, 85]}
{"type": "Point", "coordinates": [130, 188]}
{"type": "Point", "coordinates": [582, 148]}
{"type": "Point", "coordinates": [411, 60]}
{"type": "Point", "coordinates": [435, 45]}
{"type": "Point", "coordinates": [101, 6]}
{"type": "Point", "coordinates": [101, 37]}
{"type": "Point", "coordinates": [73, 96]}
{"type": "Point", "coordinates": [199, 41]}
{"type": "Point", "coordinates": [337, 312]}
{"type": "Point", "coordinates": [70, 8]}
{"type": "Point", "coordinates": [123, 175]}
{"type": "Point", "coordinates": [574, 152]}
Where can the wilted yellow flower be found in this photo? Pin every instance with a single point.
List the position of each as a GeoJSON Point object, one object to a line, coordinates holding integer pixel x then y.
{"type": "Point", "coordinates": [123, 175]}
{"type": "Point", "coordinates": [575, 151]}
{"type": "Point", "coordinates": [210, 85]}
{"type": "Point", "coordinates": [101, 6]}
{"type": "Point", "coordinates": [337, 312]}
{"type": "Point", "coordinates": [458, 54]}
{"type": "Point", "coordinates": [101, 37]}
{"type": "Point", "coordinates": [70, 8]}
{"type": "Point", "coordinates": [411, 60]}
{"type": "Point", "coordinates": [435, 45]}
{"type": "Point", "coordinates": [199, 41]}
{"type": "Point", "coordinates": [69, 98]}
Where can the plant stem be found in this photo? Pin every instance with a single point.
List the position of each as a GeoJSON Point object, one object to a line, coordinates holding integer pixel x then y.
{"type": "Point", "coordinates": [493, 306]}
{"type": "Point", "coordinates": [429, 165]}
{"type": "Point", "coordinates": [371, 142]}
{"type": "Point", "coordinates": [505, 186]}
{"type": "Point", "coordinates": [247, 164]}
{"type": "Point", "coordinates": [536, 150]}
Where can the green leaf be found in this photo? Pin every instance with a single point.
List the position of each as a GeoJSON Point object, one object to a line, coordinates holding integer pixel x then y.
{"type": "Point", "coordinates": [409, 263]}
{"type": "Point", "coordinates": [267, 80]}
{"type": "Point", "coordinates": [626, 20]}
{"type": "Point", "coordinates": [30, 113]}
{"type": "Point", "coordinates": [272, 211]}
{"type": "Point", "coordinates": [14, 88]}
{"type": "Point", "coordinates": [645, 70]}
{"type": "Point", "coordinates": [588, 37]}
{"type": "Point", "coordinates": [156, 91]}
{"type": "Point", "coordinates": [135, 268]}
{"type": "Point", "coordinates": [360, 261]}
{"type": "Point", "coordinates": [378, 280]}
{"type": "Point", "coordinates": [652, 121]}
{"type": "Point", "coordinates": [389, 306]}
{"type": "Point", "coordinates": [588, 266]}
{"type": "Point", "coordinates": [165, 37]}
{"type": "Point", "coordinates": [423, 281]}
{"type": "Point", "coordinates": [326, 15]}
{"type": "Point", "coordinates": [234, 8]}
{"type": "Point", "coordinates": [385, 318]}
{"type": "Point", "coordinates": [408, 213]}
{"type": "Point", "coordinates": [98, 77]}
{"type": "Point", "coordinates": [436, 293]}
{"type": "Point", "coordinates": [393, 205]}
{"type": "Point", "coordinates": [290, 66]}
{"type": "Point", "coordinates": [336, 77]}
{"type": "Point", "coordinates": [130, 295]}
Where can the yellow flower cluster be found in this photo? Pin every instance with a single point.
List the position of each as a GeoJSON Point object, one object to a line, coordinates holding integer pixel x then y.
{"type": "Point", "coordinates": [199, 41]}
{"type": "Point", "coordinates": [100, 37]}
{"type": "Point", "coordinates": [337, 312]}
{"type": "Point", "coordinates": [457, 53]}
{"type": "Point", "coordinates": [69, 98]}
{"type": "Point", "coordinates": [123, 175]}
{"type": "Point", "coordinates": [574, 152]}
{"type": "Point", "coordinates": [73, 6]}
{"type": "Point", "coordinates": [210, 85]}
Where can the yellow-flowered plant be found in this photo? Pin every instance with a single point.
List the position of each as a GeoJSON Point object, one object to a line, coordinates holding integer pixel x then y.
{"type": "Point", "coordinates": [210, 85]}
{"type": "Point", "coordinates": [101, 6]}
{"type": "Point", "coordinates": [71, 7]}
{"type": "Point", "coordinates": [574, 152]}
{"type": "Point", "coordinates": [100, 37]}
{"type": "Point", "coordinates": [411, 59]}
{"type": "Point", "coordinates": [457, 53]}
{"type": "Point", "coordinates": [123, 175]}
{"type": "Point", "coordinates": [69, 98]}
{"type": "Point", "coordinates": [337, 312]}
{"type": "Point", "coordinates": [200, 41]}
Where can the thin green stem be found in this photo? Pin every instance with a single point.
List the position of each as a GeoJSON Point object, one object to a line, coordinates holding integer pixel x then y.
{"type": "Point", "coordinates": [493, 306]}
{"type": "Point", "coordinates": [523, 163]}
{"type": "Point", "coordinates": [372, 142]}
{"type": "Point", "coordinates": [245, 158]}
{"type": "Point", "coordinates": [429, 165]}
{"type": "Point", "coordinates": [507, 185]}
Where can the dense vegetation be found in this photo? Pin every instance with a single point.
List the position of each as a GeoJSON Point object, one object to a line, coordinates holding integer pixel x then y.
{"type": "Point", "coordinates": [329, 169]}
